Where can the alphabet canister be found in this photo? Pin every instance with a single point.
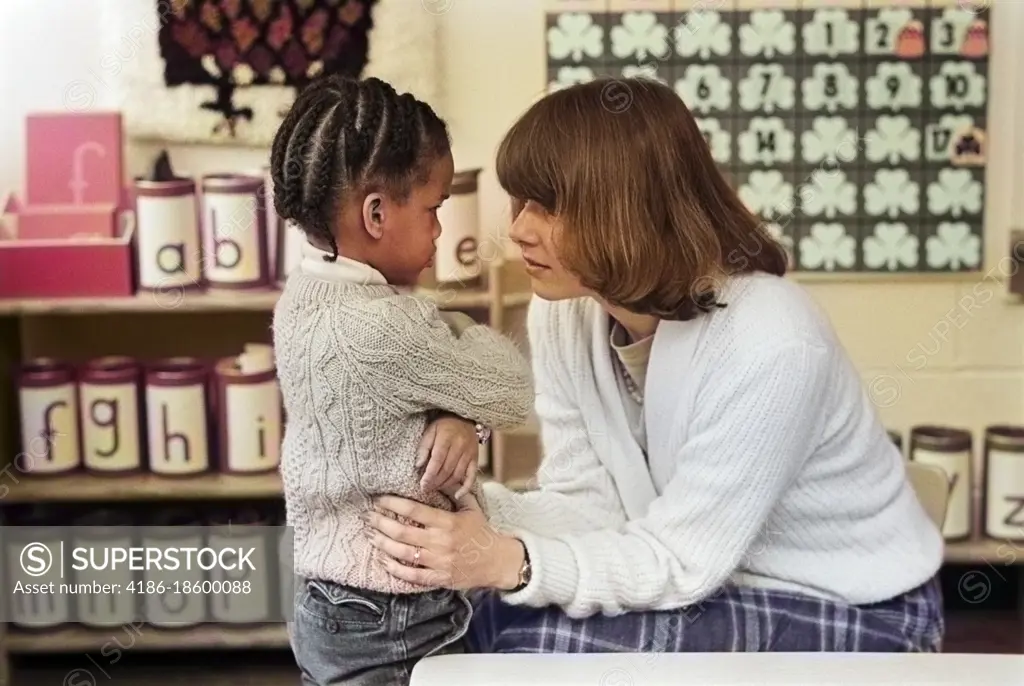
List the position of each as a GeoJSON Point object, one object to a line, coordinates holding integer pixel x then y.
{"type": "Point", "coordinates": [1004, 482]}
{"type": "Point", "coordinates": [235, 232]}
{"type": "Point", "coordinates": [169, 251]}
{"type": "Point", "coordinates": [289, 249]}
{"type": "Point", "coordinates": [457, 260]}
{"type": "Point", "coordinates": [107, 588]}
{"type": "Point", "coordinates": [31, 555]}
{"type": "Point", "coordinates": [272, 220]}
{"type": "Point", "coordinates": [249, 414]}
{"type": "Point", "coordinates": [48, 400]}
{"type": "Point", "coordinates": [111, 415]}
{"type": "Point", "coordinates": [287, 579]}
{"type": "Point", "coordinates": [177, 420]}
{"type": "Point", "coordinates": [242, 584]}
{"type": "Point", "coordinates": [950, 449]}
{"type": "Point", "coordinates": [174, 594]}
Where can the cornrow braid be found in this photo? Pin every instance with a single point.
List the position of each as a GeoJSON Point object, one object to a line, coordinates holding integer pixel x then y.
{"type": "Point", "coordinates": [343, 138]}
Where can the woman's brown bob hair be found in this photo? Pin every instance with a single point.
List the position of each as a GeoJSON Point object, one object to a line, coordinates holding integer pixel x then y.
{"type": "Point", "coordinates": [649, 222]}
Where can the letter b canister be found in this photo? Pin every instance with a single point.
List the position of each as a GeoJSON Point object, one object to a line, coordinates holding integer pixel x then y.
{"type": "Point", "coordinates": [235, 232]}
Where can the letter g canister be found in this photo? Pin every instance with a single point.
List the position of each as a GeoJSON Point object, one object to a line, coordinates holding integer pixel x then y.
{"type": "Point", "coordinates": [111, 415]}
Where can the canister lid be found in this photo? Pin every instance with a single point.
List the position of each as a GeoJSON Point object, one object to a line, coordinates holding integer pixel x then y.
{"type": "Point", "coordinates": [1006, 437]}
{"type": "Point", "coordinates": [940, 438]}
{"type": "Point", "coordinates": [231, 183]}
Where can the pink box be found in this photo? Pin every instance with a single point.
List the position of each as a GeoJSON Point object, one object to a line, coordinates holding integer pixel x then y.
{"type": "Point", "coordinates": [74, 159]}
{"type": "Point", "coordinates": [68, 268]}
{"type": "Point", "coordinates": [50, 222]}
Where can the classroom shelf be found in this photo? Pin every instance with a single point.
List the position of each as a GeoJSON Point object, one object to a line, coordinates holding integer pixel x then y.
{"type": "Point", "coordinates": [995, 552]}
{"type": "Point", "coordinates": [75, 638]}
{"type": "Point", "coordinates": [264, 301]}
{"type": "Point", "coordinates": [142, 487]}
{"type": "Point", "coordinates": [86, 488]}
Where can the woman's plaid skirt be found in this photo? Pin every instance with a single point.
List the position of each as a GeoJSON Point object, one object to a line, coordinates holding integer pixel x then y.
{"type": "Point", "coordinates": [736, 619]}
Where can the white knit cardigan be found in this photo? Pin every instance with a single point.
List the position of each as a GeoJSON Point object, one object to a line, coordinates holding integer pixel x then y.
{"type": "Point", "coordinates": [767, 464]}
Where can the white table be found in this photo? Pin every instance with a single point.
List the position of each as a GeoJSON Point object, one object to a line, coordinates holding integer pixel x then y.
{"type": "Point", "coordinates": [719, 669]}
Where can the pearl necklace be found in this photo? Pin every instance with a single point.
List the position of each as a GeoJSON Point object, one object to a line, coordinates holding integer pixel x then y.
{"type": "Point", "coordinates": [631, 386]}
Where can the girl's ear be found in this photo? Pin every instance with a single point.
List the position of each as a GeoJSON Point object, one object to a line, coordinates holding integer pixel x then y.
{"type": "Point", "coordinates": [373, 215]}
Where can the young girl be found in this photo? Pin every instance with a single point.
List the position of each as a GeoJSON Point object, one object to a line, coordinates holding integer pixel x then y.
{"type": "Point", "coordinates": [366, 369]}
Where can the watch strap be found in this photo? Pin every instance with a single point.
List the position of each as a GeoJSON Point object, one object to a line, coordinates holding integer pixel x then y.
{"type": "Point", "coordinates": [526, 571]}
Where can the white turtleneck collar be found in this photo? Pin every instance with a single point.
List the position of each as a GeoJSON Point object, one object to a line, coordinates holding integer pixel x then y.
{"type": "Point", "coordinates": [343, 269]}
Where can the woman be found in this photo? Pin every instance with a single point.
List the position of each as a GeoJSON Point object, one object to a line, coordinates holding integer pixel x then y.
{"type": "Point", "coordinates": [714, 476]}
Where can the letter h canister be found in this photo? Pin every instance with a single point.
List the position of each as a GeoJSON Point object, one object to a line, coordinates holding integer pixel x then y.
{"type": "Point", "coordinates": [235, 245]}
{"type": "Point", "coordinates": [177, 404]}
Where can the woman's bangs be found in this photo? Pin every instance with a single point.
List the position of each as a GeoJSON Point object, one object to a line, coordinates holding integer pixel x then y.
{"type": "Point", "coordinates": [527, 163]}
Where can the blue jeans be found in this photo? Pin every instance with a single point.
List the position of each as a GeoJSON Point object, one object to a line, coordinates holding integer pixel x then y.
{"type": "Point", "coordinates": [344, 635]}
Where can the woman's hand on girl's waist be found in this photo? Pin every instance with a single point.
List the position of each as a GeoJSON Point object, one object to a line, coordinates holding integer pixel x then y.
{"type": "Point", "coordinates": [458, 550]}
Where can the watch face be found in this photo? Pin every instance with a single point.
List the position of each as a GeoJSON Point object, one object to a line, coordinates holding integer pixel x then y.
{"type": "Point", "coordinates": [483, 434]}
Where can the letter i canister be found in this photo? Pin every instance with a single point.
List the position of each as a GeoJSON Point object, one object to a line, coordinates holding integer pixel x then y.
{"type": "Point", "coordinates": [110, 391]}
{"type": "Point", "coordinates": [48, 398]}
{"type": "Point", "coordinates": [177, 418]}
{"type": "Point", "coordinates": [235, 244]}
{"type": "Point", "coordinates": [249, 416]}
{"type": "Point", "coordinates": [169, 251]}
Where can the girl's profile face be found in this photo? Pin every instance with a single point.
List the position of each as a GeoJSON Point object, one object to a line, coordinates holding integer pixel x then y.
{"type": "Point", "coordinates": [536, 231]}
{"type": "Point", "coordinates": [411, 228]}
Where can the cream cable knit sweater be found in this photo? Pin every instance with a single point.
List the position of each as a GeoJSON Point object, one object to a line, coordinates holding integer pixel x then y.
{"type": "Point", "coordinates": [360, 366]}
{"type": "Point", "coordinates": [768, 464]}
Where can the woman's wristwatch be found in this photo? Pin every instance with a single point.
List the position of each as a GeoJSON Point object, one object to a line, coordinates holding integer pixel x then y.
{"type": "Point", "coordinates": [483, 434]}
{"type": "Point", "coordinates": [525, 572]}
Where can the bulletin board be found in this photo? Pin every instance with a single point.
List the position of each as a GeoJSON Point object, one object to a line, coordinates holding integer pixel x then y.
{"type": "Point", "coordinates": [854, 128]}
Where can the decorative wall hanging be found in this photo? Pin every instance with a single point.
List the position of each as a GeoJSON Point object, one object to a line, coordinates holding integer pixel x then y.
{"type": "Point", "coordinates": [226, 71]}
{"type": "Point", "coordinates": [855, 129]}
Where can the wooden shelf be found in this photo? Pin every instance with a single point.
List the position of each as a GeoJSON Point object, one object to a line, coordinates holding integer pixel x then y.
{"type": "Point", "coordinates": [142, 487]}
{"type": "Point", "coordinates": [149, 487]}
{"type": "Point", "coordinates": [75, 638]}
{"type": "Point", "coordinates": [261, 301]}
{"type": "Point", "coordinates": [996, 552]}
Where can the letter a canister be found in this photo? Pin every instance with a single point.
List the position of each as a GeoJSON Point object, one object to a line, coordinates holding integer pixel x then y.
{"type": "Point", "coordinates": [169, 254]}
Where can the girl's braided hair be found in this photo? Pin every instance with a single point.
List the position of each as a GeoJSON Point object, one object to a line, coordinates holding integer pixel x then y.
{"type": "Point", "coordinates": [343, 135]}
